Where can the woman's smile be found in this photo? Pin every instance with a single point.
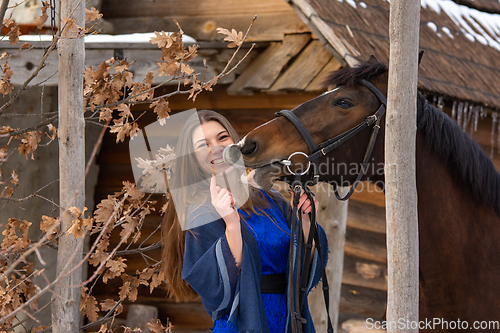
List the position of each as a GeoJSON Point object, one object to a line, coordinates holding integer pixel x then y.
{"type": "Point", "coordinates": [209, 141]}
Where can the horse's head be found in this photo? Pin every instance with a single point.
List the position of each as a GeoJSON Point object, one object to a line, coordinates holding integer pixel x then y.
{"type": "Point", "coordinates": [338, 110]}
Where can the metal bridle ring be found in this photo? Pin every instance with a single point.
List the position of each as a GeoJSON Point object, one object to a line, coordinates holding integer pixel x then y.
{"type": "Point", "coordinates": [308, 164]}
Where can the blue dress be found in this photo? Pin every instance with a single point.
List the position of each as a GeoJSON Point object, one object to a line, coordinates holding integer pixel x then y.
{"type": "Point", "coordinates": [231, 295]}
{"type": "Point", "coordinates": [273, 239]}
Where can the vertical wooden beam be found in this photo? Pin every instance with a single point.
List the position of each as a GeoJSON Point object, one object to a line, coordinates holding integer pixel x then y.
{"type": "Point", "coordinates": [332, 215]}
{"type": "Point", "coordinates": [66, 305]}
{"type": "Point", "coordinates": [400, 168]}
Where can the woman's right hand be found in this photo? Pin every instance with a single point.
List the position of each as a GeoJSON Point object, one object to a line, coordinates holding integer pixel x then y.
{"type": "Point", "coordinates": [223, 202]}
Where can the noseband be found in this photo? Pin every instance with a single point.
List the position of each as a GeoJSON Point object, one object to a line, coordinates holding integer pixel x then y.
{"type": "Point", "coordinates": [327, 146]}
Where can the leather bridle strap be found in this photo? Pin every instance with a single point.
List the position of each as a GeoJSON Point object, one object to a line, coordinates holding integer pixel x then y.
{"type": "Point", "coordinates": [300, 127]}
{"type": "Point", "coordinates": [316, 151]}
{"type": "Point", "coordinates": [307, 138]}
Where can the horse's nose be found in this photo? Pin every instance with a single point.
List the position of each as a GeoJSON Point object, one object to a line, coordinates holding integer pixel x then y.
{"type": "Point", "coordinates": [231, 154]}
{"type": "Point", "coordinates": [249, 147]}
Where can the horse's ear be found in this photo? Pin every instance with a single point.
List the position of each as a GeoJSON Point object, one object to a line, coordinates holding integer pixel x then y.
{"type": "Point", "coordinates": [420, 55]}
{"type": "Point", "coordinates": [372, 59]}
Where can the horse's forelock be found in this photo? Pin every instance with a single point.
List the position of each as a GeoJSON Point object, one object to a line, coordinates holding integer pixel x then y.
{"type": "Point", "coordinates": [350, 75]}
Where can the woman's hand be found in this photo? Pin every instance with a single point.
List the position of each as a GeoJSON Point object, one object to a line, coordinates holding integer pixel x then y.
{"type": "Point", "coordinates": [223, 202]}
{"type": "Point", "coordinates": [305, 204]}
{"type": "Point", "coordinates": [306, 207]}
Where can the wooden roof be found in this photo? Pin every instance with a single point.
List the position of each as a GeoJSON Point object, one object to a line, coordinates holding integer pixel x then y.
{"type": "Point", "coordinates": [488, 6]}
{"type": "Point", "coordinates": [453, 66]}
{"type": "Point", "coordinates": [456, 65]}
{"type": "Point", "coordinates": [288, 56]}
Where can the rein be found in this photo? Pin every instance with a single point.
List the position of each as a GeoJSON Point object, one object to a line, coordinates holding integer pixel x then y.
{"type": "Point", "coordinates": [300, 268]}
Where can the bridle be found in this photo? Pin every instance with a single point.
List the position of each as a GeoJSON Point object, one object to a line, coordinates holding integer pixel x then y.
{"type": "Point", "coordinates": [316, 151]}
{"type": "Point", "coordinates": [298, 268]}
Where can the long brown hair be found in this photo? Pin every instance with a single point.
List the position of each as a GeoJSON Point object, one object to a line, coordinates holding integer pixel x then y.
{"type": "Point", "coordinates": [173, 236]}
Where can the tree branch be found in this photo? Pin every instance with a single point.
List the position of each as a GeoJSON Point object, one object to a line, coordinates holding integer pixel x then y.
{"type": "Point", "coordinates": [3, 9]}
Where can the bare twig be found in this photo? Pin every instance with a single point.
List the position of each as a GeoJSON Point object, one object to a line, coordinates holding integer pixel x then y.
{"type": "Point", "coordinates": [34, 194]}
{"type": "Point", "coordinates": [41, 65]}
{"type": "Point", "coordinates": [29, 129]}
{"type": "Point", "coordinates": [139, 250]}
{"type": "Point", "coordinates": [239, 46]}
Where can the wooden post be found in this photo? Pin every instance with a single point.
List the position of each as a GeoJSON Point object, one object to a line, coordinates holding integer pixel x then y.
{"type": "Point", "coordinates": [400, 170]}
{"type": "Point", "coordinates": [65, 308]}
{"type": "Point", "coordinates": [140, 315]}
{"type": "Point", "coordinates": [332, 215]}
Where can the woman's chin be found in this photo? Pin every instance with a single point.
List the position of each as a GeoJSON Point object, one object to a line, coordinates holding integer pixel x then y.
{"type": "Point", "coordinates": [223, 168]}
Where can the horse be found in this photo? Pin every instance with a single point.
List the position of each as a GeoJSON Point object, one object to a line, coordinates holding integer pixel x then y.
{"type": "Point", "coordinates": [457, 185]}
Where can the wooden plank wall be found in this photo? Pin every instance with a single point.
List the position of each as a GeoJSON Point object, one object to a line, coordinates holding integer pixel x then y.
{"type": "Point", "coordinates": [201, 18]}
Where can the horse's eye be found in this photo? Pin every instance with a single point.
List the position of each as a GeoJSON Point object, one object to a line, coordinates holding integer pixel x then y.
{"type": "Point", "coordinates": [343, 103]}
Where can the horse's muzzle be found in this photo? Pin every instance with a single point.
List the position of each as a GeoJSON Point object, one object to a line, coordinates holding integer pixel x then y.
{"type": "Point", "coordinates": [231, 154]}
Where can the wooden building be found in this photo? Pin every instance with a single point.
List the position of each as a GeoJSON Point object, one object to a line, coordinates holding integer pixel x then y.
{"type": "Point", "coordinates": [298, 42]}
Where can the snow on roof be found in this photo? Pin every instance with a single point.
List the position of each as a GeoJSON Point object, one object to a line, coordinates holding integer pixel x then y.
{"type": "Point", "coordinates": [474, 24]}
{"type": "Point", "coordinates": [128, 38]}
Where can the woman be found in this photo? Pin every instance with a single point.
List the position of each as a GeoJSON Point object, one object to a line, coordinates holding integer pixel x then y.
{"type": "Point", "coordinates": [234, 258]}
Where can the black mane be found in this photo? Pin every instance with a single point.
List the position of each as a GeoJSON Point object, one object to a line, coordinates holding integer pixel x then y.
{"type": "Point", "coordinates": [462, 154]}
{"type": "Point", "coordinates": [351, 75]}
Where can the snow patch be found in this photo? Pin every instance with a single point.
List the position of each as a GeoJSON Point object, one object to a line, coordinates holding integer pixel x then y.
{"type": "Point", "coordinates": [128, 38]}
{"type": "Point", "coordinates": [448, 32]}
{"type": "Point", "coordinates": [352, 3]}
{"type": "Point", "coordinates": [474, 24]}
{"type": "Point", "coordinates": [433, 26]}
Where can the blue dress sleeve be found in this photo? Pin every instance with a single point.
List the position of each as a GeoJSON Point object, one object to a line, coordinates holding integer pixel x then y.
{"type": "Point", "coordinates": [209, 266]}
{"type": "Point", "coordinates": [210, 269]}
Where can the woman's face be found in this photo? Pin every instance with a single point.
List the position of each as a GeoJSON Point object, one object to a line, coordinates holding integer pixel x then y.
{"type": "Point", "coordinates": [209, 141]}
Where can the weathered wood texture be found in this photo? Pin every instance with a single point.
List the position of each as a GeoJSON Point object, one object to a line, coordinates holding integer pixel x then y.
{"type": "Point", "coordinates": [366, 245]}
{"type": "Point", "coordinates": [71, 135]}
{"type": "Point", "coordinates": [364, 273]}
{"type": "Point", "coordinates": [130, 8]}
{"type": "Point", "coordinates": [332, 215]}
{"type": "Point", "coordinates": [264, 70]}
{"type": "Point", "coordinates": [145, 56]}
{"type": "Point", "coordinates": [317, 83]}
{"type": "Point", "coordinates": [366, 216]}
{"type": "Point", "coordinates": [140, 315]}
{"type": "Point", "coordinates": [363, 301]}
{"type": "Point", "coordinates": [268, 27]}
{"type": "Point", "coordinates": [201, 18]}
{"type": "Point", "coordinates": [400, 166]}
{"type": "Point", "coordinates": [304, 69]}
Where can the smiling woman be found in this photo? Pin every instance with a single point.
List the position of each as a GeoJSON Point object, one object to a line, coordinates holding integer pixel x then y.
{"type": "Point", "coordinates": [209, 141]}
{"type": "Point", "coordinates": [234, 254]}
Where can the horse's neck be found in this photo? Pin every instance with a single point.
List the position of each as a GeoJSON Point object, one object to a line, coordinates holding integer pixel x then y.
{"type": "Point", "coordinates": [453, 230]}
{"type": "Point", "coordinates": [446, 206]}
